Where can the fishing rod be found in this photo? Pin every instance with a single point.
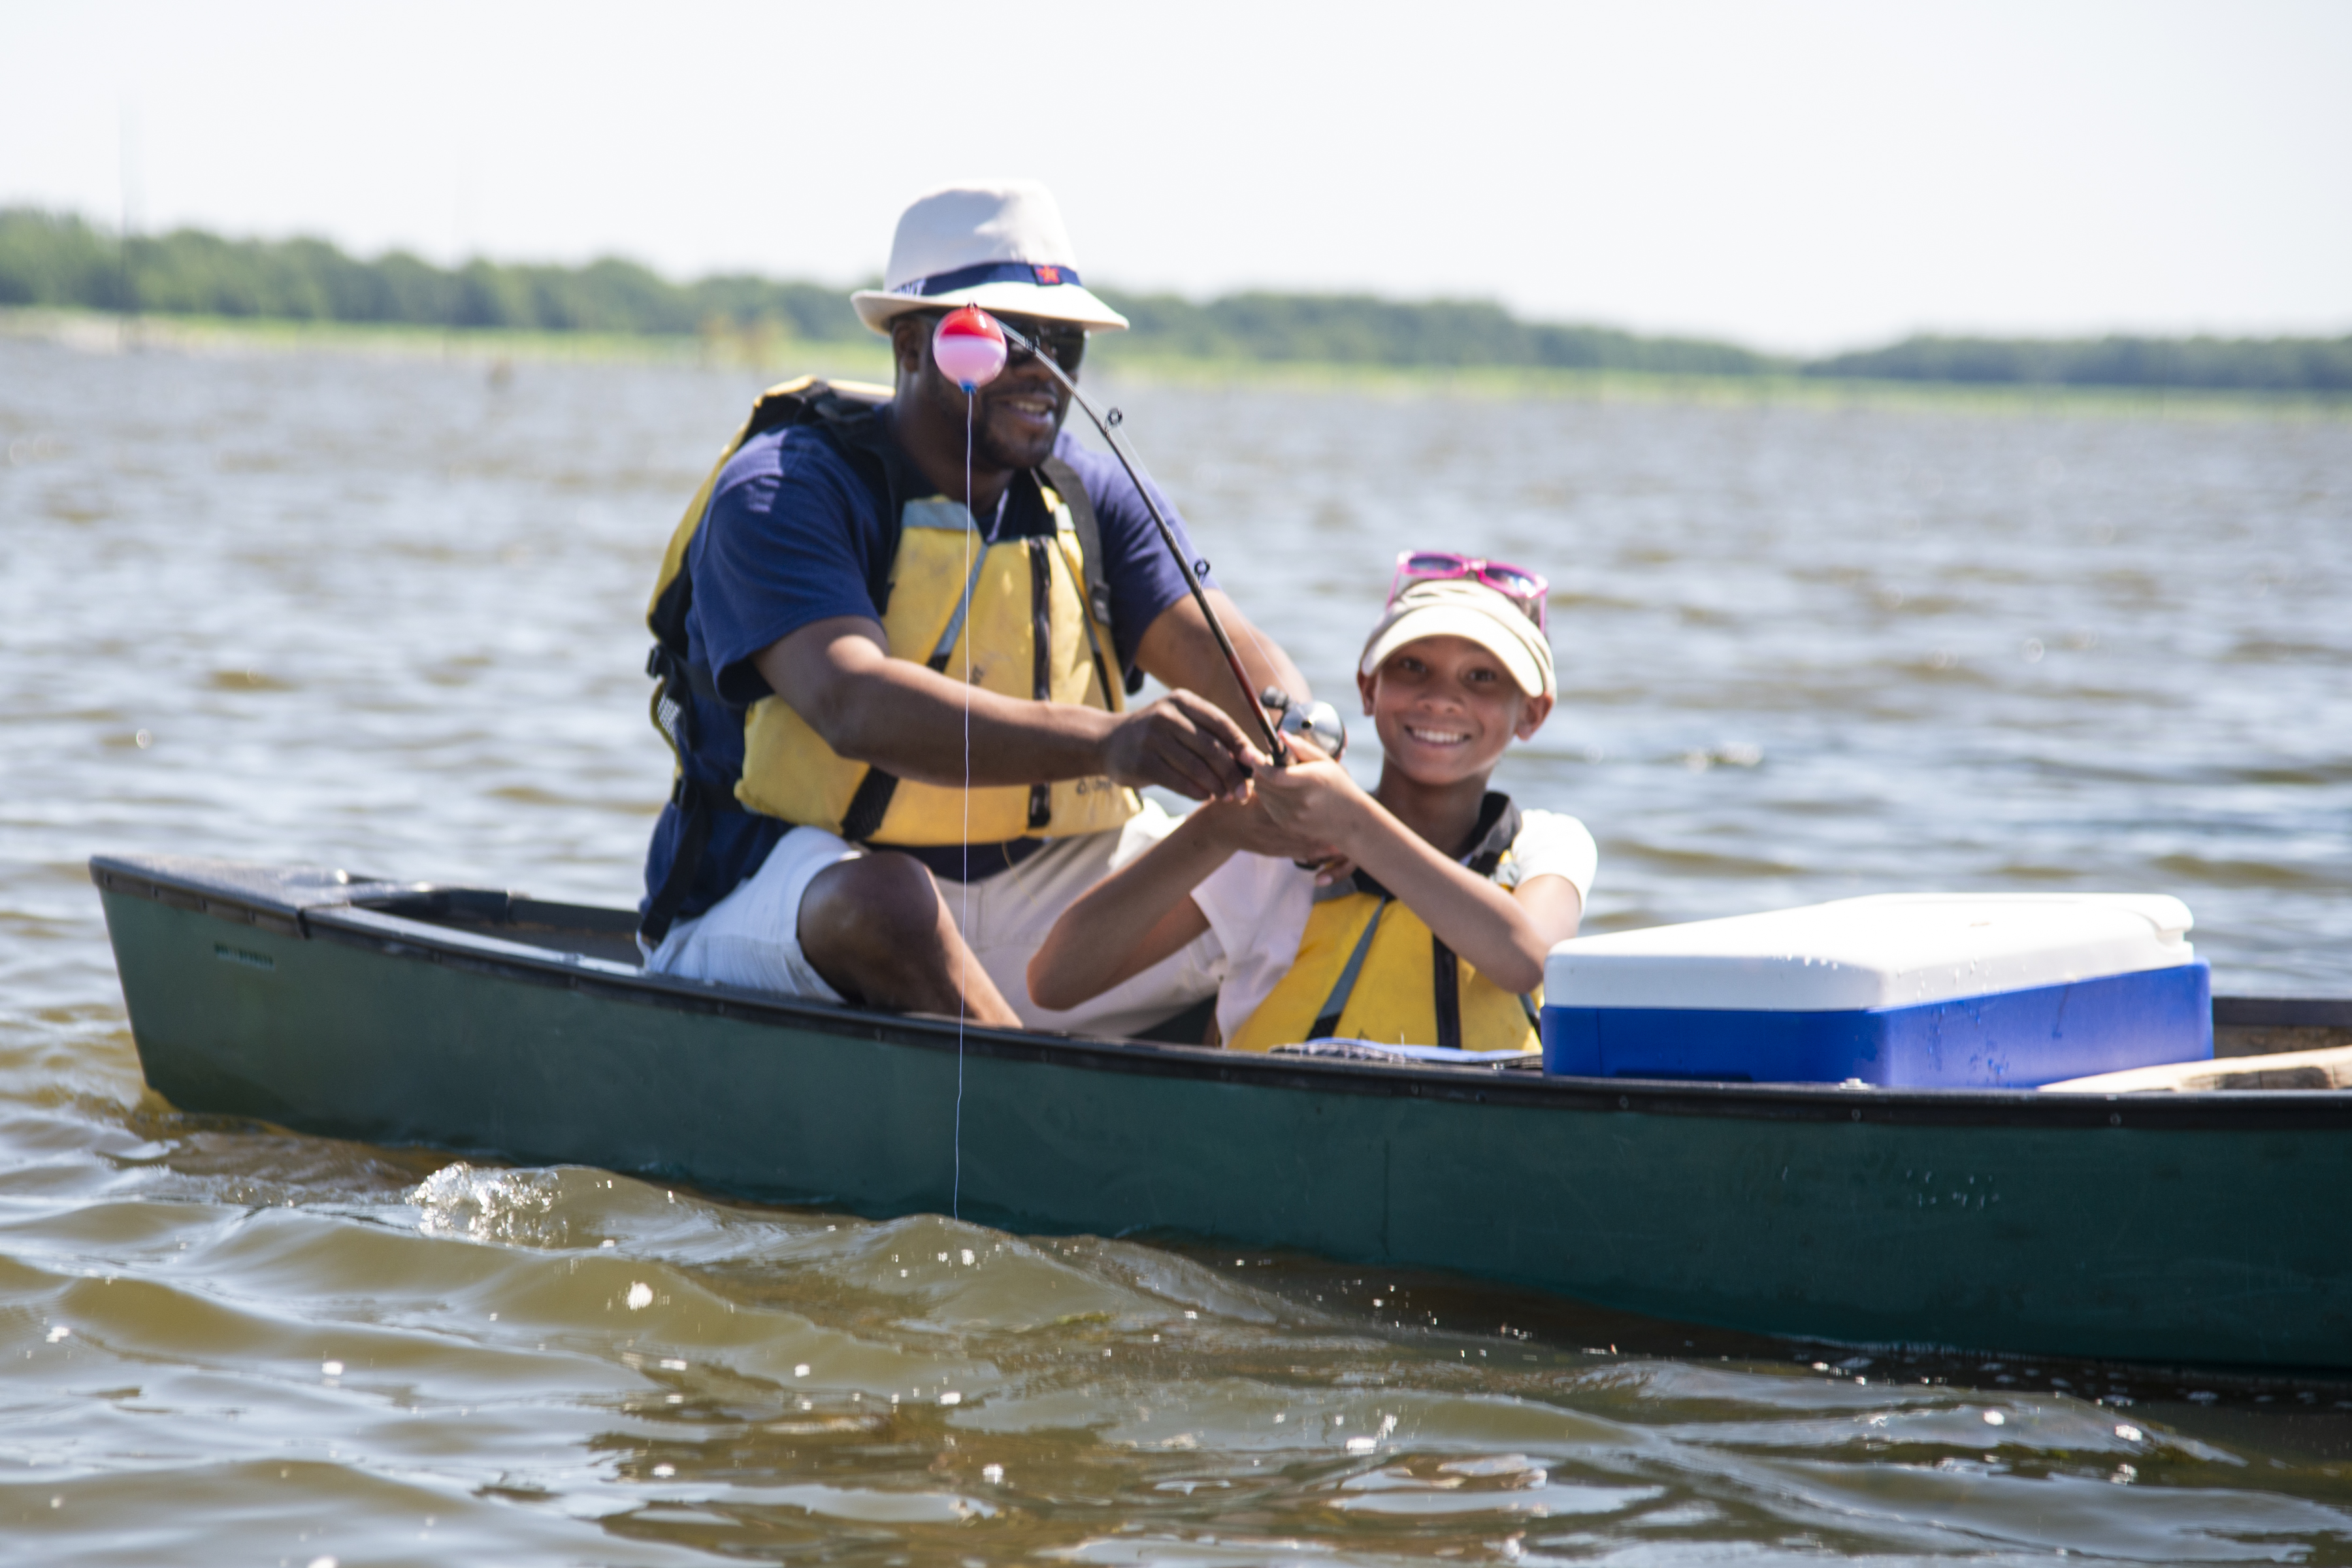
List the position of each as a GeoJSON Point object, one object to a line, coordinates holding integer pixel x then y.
{"type": "Point", "coordinates": [962, 348]}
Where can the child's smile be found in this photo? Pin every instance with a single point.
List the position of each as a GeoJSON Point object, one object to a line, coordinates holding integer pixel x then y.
{"type": "Point", "coordinates": [1443, 707]}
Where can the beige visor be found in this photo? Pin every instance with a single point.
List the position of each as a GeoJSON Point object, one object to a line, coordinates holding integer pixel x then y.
{"type": "Point", "coordinates": [1463, 607]}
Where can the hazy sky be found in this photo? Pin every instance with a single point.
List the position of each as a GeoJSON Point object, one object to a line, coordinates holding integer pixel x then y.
{"type": "Point", "coordinates": [1799, 176]}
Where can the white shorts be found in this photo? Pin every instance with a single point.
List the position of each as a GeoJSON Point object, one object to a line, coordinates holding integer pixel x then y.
{"type": "Point", "coordinates": [752, 937]}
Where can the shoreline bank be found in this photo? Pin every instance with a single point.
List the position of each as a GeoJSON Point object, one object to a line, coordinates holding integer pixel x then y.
{"type": "Point", "coordinates": [780, 358]}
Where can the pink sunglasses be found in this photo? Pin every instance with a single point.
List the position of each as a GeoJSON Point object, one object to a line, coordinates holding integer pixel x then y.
{"type": "Point", "coordinates": [1522, 587]}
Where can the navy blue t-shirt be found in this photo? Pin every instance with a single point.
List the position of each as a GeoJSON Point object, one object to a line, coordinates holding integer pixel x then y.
{"type": "Point", "coordinates": [794, 535]}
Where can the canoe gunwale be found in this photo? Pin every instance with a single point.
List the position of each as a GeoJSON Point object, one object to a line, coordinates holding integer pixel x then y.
{"type": "Point", "coordinates": [340, 913]}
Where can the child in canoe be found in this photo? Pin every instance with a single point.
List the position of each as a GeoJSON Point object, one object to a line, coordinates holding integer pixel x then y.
{"type": "Point", "coordinates": [1431, 925]}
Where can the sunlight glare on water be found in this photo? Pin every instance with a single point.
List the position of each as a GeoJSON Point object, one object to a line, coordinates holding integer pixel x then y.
{"type": "Point", "coordinates": [386, 614]}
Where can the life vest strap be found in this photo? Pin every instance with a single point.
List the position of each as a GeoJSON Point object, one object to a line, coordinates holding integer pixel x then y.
{"type": "Point", "coordinates": [674, 679]}
{"type": "Point", "coordinates": [1327, 1018]}
{"type": "Point", "coordinates": [1073, 491]}
{"type": "Point", "coordinates": [1445, 990]}
{"type": "Point", "coordinates": [946, 645]}
{"type": "Point", "coordinates": [868, 806]}
{"type": "Point", "coordinates": [1041, 663]}
{"type": "Point", "coordinates": [697, 815]}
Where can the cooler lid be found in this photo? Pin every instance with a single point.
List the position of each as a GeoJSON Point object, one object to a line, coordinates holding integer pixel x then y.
{"type": "Point", "coordinates": [1889, 950]}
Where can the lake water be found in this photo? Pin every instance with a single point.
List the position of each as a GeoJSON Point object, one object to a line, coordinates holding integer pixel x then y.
{"type": "Point", "coordinates": [385, 614]}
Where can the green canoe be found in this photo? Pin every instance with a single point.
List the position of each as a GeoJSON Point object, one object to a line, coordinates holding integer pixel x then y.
{"type": "Point", "coordinates": [2206, 1227]}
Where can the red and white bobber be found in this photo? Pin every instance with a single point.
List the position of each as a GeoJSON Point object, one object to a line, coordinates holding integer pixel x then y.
{"type": "Point", "coordinates": [969, 347]}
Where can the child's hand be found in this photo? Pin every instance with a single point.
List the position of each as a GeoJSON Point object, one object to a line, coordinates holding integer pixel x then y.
{"type": "Point", "coordinates": [1312, 799]}
{"type": "Point", "coordinates": [1244, 824]}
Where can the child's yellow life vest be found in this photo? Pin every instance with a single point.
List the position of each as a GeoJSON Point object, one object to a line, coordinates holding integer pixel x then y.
{"type": "Point", "coordinates": [1023, 617]}
{"type": "Point", "coordinates": [1371, 969]}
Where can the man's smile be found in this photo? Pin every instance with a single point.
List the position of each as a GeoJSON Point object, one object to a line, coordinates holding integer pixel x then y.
{"type": "Point", "coordinates": [1037, 408]}
{"type": "Point", "coordinates": [1429, 737]}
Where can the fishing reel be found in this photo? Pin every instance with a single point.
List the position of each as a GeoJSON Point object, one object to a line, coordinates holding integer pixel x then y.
{"type": "Point", "coordinates": [1315, 722]}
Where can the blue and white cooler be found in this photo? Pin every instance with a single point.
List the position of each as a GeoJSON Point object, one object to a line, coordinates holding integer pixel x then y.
{"type": "Point", "coordinates": [1900, 990]}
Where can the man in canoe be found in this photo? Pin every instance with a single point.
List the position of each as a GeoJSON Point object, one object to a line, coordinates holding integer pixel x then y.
{"type": "Point", "coordinates": [902, 739]}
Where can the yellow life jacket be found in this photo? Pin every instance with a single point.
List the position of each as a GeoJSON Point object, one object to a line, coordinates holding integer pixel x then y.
{"type": "Point", "coordinates": [1371, 969]}
{"type": "Point", "coordinates": [1025, 618]}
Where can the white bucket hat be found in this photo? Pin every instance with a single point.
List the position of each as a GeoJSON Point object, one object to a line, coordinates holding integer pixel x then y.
{"type": "Point", "coordinates": [1001, 247]}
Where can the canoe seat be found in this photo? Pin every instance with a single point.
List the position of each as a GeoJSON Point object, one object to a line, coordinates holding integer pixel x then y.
{"type": "Point", "coordinates": [2323, 1069]}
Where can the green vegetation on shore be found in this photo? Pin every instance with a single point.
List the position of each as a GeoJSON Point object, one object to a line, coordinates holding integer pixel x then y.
{"type": "Point", "coordinates": [61, 262]}
{"type": "Point", "coordinates": [2234, 364]}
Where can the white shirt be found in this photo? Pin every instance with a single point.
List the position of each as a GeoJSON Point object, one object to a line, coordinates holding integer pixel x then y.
{"type": "Point", "coordinates": [1257, 905]}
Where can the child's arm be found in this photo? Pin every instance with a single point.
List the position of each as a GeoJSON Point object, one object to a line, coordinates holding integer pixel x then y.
{"type": "Point", "coordinates": [1505, 935]}
{"type": "Point", "coordinates": [1138, 915]}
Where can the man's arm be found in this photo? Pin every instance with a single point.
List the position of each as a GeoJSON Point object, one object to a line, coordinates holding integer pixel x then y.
{"type": "Point", "coordinates": [1178, 650]}
{"type": "Point", "coordinates": [913, 721]}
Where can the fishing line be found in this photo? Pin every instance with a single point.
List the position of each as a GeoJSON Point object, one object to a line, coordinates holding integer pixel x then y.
{"type": "Point", "coordinates": [969, 350]}
{"type": "Point", "coordinates": [1265, 658]}
{"type": "Point", "coordinates": [963, 925]}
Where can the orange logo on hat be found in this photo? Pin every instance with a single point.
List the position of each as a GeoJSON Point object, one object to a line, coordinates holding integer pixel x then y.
{"type": "Point", "coordinates": [1047, 274]}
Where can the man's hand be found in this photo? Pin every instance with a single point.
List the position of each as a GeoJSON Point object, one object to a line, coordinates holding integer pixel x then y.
{"type": "Point", "coordinates": [1184, 743]}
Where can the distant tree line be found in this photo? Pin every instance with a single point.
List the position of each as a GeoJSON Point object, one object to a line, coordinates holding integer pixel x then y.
{"type": "Point", "coordinates": [61, 261]}
{"type": "Point", "coordinates": [2251, 364]}
{"type": "Point", "coordinates": [1354, 329]}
